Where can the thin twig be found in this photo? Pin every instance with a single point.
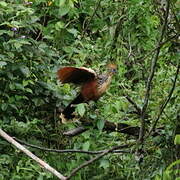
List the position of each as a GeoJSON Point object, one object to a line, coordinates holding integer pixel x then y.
{"type": "Point", "coordinates": [175, 16]}
{"type": "Point", "coordinates": [151, 75]}
{"type": "Point", "coordinates": [31, 155]}
{"type": "Point", "coordinates": [67, 150]}
{"type": "Point", "coordinates": [138, 109]}
{"type": "Point", "coordinates": [166, 101]}
{"type": "Point", "coordinates": [160, 46]}
{"type": "Point", "coordinates": [74, 171]}
{"type": "Point", "coordinates": [95, 9]}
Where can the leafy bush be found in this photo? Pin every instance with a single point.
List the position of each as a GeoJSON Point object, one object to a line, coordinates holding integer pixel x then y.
{"type": "Point", "coordinates": [41, 36]}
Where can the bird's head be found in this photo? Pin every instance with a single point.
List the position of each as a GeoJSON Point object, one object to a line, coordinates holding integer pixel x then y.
{"type": "Point", "coordinates": [112, 68]}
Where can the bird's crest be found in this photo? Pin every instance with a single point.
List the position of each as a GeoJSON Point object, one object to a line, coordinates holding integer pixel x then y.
{"type": "Point", "coordinates": [112, 66]}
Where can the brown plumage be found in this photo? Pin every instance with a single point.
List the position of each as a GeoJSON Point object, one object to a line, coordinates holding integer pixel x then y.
{"type": "Point", "coordinates": [93, 86]}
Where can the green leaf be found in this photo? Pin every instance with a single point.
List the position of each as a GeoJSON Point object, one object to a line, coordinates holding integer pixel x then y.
{"type": "Point", "coordinates": [62, 2]}
{"type": "Point", "coordinates": [19, 86]}
{"type": "Point", "coordinates": [71, 3]}
{"type": "Point", "coordinates": [2, 63]}
{"type": "Point", "coordinates": [4, 106]}
{"type": "Point", "coordinates": [81, 109]}
{"type": "Point", "coordinates": [173, 164]}
{"type": "Point", "coordinates": [17, 45]}
{"type": "Point", "coordinates": [29, 90]}
{"type": "Point", "coordinates": [177, 139]}
{"type": "Point", "coordinates": [100, 124]}
{"type": "Point", "coordinates": [25, 83]}
{"type": "Point", "coordinates": [63, 10]}
{"type": "Point", "coordinates": [73, 31]}
{"type": "Point", "coordinates": [13, 106]}
{"type": "Point", "coordinates": [3, 4]}
{"type": "Point", "coordinates": [10, 33]}
{"type": "Point", "coordinates": [104, 163]}
{"type": "Point", "coordinates": [86, 146]}
{"type": "Point", "coordinates": [25, 71]}
{"type": "Point", "coordinates": [59, 25]}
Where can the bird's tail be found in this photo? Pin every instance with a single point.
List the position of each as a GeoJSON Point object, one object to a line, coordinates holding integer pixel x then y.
{"type": "Point", "coordinates": [68, 111]}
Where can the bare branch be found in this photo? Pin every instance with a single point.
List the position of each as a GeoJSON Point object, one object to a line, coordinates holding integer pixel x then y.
{"type": "Point", "coordinates": [151, 75]}
{"type": "Point", "coordinates": [138, 109]}
{"type": "Point", "coordinates": [95, 9]}
{"type": "Point", "coordinates": [31, 155]}
{"type": "Point", "coordinates": [96, 158]}
{"type": "Point", "coordinates": [166, 101]}
{"type": "Point", "coordinates": [160, 46]}
{"type": "Point", "coordinates": [75, 131]}
{"type": "Point", "coordinates": [67, 150]}
{"type": "Point", "coordinates": [108, 126]}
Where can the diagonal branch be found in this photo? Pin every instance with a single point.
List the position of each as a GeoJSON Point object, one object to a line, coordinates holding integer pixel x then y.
{"type": "Point", "coordinates": [95, 9]}
{"type": "Point", "coordinates": [166, 101]}
{"type": "Point", "coordinates": [31, 155]}
{"type": "Point", "coordinates": [138, 109]}
{"type": "Point", "coordinates": [74, 171]}
{"type": "Point", "coordinates": [151, 75]}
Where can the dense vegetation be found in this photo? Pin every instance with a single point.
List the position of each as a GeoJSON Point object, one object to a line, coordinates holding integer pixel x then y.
{"type": "Point", "coordinates": [140, 36]}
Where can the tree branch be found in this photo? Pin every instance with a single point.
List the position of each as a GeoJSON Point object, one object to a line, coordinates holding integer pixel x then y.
{"type": "Point", "coordinates": [67, 150]}
{"type": "Point", "coordinates": [31, 155]}
{"type": "Point", "coordinates": [108, 126]}
{"type": "Point", "coordinates": [151, 75]}
{"type": "Point", "coordinates": [74, 171]}
{"type": "Point", "coordinates": [75, 131]}
{"type": "Point", "coordinates": [138, 109]}
{"type": "Point", "coordinates": [166, 101]}
{"type": "Point", "coordinates": [160, 46]}
{"type": "Point", "coordinates": [95, 9]}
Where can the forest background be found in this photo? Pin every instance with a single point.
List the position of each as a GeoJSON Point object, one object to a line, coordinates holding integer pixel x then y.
{"type": "Point", "coordinates": [139, 115]}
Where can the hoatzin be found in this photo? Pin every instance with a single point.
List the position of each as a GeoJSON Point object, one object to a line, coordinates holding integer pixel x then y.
{"type": "Point", "coordinates": [93, 85]}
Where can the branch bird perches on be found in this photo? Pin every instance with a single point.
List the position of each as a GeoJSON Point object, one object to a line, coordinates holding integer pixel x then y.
{"type": "Point", "coordinates": [93, 86]}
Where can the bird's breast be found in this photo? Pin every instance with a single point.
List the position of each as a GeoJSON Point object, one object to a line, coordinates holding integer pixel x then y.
{"type": "Point", "coordinates": [102, 86]}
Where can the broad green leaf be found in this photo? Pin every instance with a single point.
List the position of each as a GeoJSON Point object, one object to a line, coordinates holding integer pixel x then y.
{"type": "Point", "coordinates": [167, 175]}
{"type": "Point", "coordinates": [2, 63]}
{"type": "Point", "coordinates": [173, 164]}
{"type": "Point", "coordinates": [104, 163]}
{"type": "Point", "coordinates": [86, 146]}
{"type": "Point", "coordinates": [100, 124]}
{"type": "Point", "coordinates": [25, 83]}
{"type": "Point", "coordinates": [13, 106]}
{"type": "Point", "coordinates": [73, 31]}
{"type": "Point", "coordinates": [4, 106]}
{"type": "Point", "coordinates": [17, 45]}
{"type": "Point", "coordinates": [19, 86]}
{"type": "Point", "coordinates": [29, 90]}
{"type": "Point", "coordinates": [63, 10]}
{"type": "Point", "coordinates": [10, 33]}
{"type": "Point", "coordinates": [25, 71]}
{"type": "Point", "coordinates": [81, 109]}
{"type": "Point", "coordinates": [62, 2]}
{"type": "Point", "coordinates": [177, 139]}
{"type": "Point", "coordinates": [59, 25]}
{"type": "Point", "coordinates": [71, 3]}
{"type": "Point", "coordinates": [3, 4]}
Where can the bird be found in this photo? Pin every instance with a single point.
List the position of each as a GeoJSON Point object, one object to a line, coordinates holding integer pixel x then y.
{"type": "Point", "coordinates": [93, 85]}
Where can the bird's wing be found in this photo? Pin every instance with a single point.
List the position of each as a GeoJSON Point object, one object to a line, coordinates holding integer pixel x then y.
{"type": "Point", "coordinates": [75, 75]}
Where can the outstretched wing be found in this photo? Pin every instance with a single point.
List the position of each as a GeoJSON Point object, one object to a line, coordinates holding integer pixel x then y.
{"type": "Point", "coordinates": [75, 75]}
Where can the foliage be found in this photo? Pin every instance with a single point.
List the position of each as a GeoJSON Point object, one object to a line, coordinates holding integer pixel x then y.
{"type": "Point", "coordinates": [41, 36]}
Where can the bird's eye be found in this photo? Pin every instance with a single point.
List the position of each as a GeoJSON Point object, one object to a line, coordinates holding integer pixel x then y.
{"type": "Point", "coordinates": [114, 70]}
